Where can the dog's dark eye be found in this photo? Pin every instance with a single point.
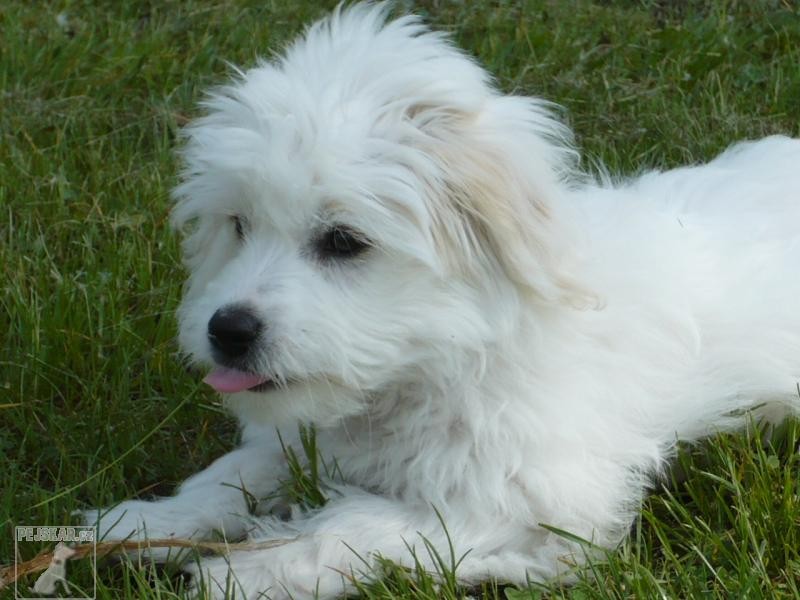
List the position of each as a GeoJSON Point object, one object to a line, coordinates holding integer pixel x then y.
{"type": "Point", "coordinates": [341, 242]}
{"type": "Point", "coordinates": [239, 224]}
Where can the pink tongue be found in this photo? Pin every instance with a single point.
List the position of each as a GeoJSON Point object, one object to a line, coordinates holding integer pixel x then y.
{"type": "Point", "coordinates": [231, 380]}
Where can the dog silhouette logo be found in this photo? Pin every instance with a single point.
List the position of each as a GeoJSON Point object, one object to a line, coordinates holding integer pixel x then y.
{"type": "Point", "coordinates": [56, 572]}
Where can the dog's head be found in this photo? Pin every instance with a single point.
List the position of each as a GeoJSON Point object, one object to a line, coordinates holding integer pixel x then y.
{"type": "Point", "coordinates": [62, 552]}
{"type": "Point", "coordinates": [363, 212]}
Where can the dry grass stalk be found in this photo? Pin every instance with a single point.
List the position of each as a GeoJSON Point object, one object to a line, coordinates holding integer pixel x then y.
{"type": "Point", "coordinates": [9, 574]}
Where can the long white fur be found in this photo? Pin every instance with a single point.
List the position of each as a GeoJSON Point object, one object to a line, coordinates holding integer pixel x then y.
{"type": "Point", "coordinates": [523, 346]}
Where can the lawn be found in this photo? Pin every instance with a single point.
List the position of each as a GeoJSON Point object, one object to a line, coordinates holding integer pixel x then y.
{"type": "Point", "coordinates": [95, 405]}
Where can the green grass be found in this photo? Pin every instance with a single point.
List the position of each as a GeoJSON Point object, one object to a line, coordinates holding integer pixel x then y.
{"type": "Point", "coordinates": [94, 405]}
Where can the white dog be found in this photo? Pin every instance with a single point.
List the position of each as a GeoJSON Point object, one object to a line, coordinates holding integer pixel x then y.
{"type": "Point", "coordinates": [384, 245]}
{"type": "Point", "coordinates": [56, 572]}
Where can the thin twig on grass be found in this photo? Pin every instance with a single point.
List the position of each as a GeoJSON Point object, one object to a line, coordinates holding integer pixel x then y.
{"type": "Point", "coordinates": [9, 574]}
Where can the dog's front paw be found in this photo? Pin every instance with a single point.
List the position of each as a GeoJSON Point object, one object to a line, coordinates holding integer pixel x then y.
{"type": "Point", "coordinates": [140, 521]}
{"type": "Point", "coordinates": [133, 519]}
{"type": "Point", "coordinates": [242, 575]}
{"type": "Point", "coordinates": [286, 572]}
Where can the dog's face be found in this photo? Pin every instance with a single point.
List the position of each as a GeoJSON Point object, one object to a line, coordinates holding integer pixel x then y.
{"type": "Point", "coordinates": [62, 552]}
{"type": "Point", "coordinates": [358, 219]}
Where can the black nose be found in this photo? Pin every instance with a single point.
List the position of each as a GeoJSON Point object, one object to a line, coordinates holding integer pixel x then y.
{"type": "Point", "coordinates": [232, 331]}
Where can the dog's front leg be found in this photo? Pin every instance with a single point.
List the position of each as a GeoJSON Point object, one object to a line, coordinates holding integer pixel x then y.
{"type": "Point", "coordinates": [322, 554]}
{"type": "Point", "coordinates": [216, 499]}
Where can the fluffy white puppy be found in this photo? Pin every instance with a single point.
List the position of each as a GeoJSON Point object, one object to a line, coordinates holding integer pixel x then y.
{"type": "Point", "coordinates": [384, 245]}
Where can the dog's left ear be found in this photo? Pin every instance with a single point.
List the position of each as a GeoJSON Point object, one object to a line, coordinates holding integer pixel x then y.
{"type": "Point", "coordinates": [503, 172]}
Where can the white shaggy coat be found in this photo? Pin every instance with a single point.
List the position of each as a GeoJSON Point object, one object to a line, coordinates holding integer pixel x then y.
{"type": "Point", "coordinates": [520, 345]}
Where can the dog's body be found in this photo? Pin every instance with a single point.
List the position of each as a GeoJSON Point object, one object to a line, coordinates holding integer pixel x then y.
{"type": "Point", "coordinates": [416, 266]}
{"type": "Point", "coordinates": [56, 573]}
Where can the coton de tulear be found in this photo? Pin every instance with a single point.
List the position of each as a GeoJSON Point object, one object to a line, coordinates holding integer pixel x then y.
{"type": "Point", "coordinates": [382, 244]}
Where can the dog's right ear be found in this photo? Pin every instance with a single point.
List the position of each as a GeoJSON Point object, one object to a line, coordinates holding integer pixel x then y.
{"type": "Point", "coordinates": [498, 198]}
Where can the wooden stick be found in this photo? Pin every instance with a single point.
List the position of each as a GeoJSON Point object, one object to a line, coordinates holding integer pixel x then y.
{"type": "Point", "coordinates": [9, 574]}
